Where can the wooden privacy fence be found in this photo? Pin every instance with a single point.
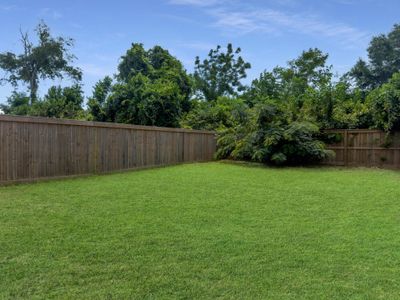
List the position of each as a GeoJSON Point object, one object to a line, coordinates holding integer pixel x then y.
{"type": "Point", "coordinates": [38, 148]}
{"type": "Point", "coordinates": [368, 148]}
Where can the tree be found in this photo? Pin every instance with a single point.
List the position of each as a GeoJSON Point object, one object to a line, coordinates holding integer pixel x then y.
{"type": "Point", "coordinates": [220, 74]}
{"type": "Point", "coordinates": [65, 103]}
{"type": "Point", "coordinates": [135, 61]}
{"type": "Point", "coordinates": [17, 104]}
{"type": "Point", "coordinates": [146, 102]}
{"type": "Point", "coordinates": [97, 104]}
{"type": "Point", "coordinates": [266, 87]}
{"type": "Point", "coordinates": [303, 87]}
{"type": "Point", "coordinates": [311, 69]}
{"type": "Point", "coordinates": [155, 63]}
{"type": "Point", "coordinates": [349, 107]}
{"type": "Point", "coordinates": [384, 104]}
{"type": "Point", "coordinates": [383, 61]}
{"type": "Point", "coordinates": [57, 103]}
{"type": "Point", "coordinates": [215, 115]}
{"type": "Point", "coordinates": [152, 88]}
{"type": "Point", "coordinates": [49, 59]}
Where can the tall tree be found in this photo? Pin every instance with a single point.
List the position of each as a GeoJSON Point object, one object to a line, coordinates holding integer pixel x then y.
{"type": "Point", "coordinates": [220, 74]}
{"type": "Point", "coordinates": [152, 88]}
{"type": "Point", "coordinates": [49, 59]}
{"type": "Point", "coordinates": [303, 86]}
{"type": "Point", "coordinates": [383, 61]}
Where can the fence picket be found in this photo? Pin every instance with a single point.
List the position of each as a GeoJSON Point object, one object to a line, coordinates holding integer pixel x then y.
{"type": "Point", "coordinates": [35, 148]}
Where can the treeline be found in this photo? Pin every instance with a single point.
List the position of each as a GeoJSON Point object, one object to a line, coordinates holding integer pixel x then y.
{"type": "Point", "coordinates": [278, 118]}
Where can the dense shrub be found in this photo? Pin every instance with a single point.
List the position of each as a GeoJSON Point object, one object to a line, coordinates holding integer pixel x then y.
{"type": "Point", "coordinates": [269, 137]}
{"type": "Point", "coordinates": [215, 115]}
{"type": "Point", "coordinates": [384, 105]}
{"type": "Point", "coordinates": [59, 102]}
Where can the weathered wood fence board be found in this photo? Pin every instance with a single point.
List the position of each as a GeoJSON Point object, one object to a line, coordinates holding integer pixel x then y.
{"type": "Point", "coordinates": [35, 148]}
{"type": "Point", "coordinates": [368, 148]}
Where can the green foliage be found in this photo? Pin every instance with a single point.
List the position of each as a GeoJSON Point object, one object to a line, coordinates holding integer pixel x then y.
{"type": "Point", "coordinates": [267, 86]}
{"type": "Point", "coordinates": [270, 137]}
{"type": "Point", "coordinates": [135, 61]}
{"type": "Point", "coordinates": [309, 69]}
{"type": "Point", "coordinates": [304, 88]}
{"type": "Point", "coordinates": [64, 103]}
{"type": "Point", "coordinates": [217, 115]}
{"type": "Point", "coordinates": [147, 102]}
{"type": "Point", "coordinates": [59, 102]}
{"type": "Point", "coordinates": [152, 89]}
{"type": "Point", "coordinates": [306, 91]}
{"type": "Point", "coordinates": [97, 104]}
{"type": "Point", "coordinates": [384, 104]}
{"type": "Point", "coordinates": [17, 104]}
{"type": "Point", "coordinates": [50, 59]}
{"type": "Point", "coordinates": [350, 110]}
{"type": "Point", "coordinates": [220, 74]}
{"type": "Point", "coordinates": [384, 61]}
{"type": "Point", "coordinates": [155, 63]}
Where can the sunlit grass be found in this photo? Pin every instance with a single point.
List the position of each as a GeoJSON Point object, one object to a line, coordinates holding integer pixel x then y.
{"type": "Point", "coordinates": [209, 230]}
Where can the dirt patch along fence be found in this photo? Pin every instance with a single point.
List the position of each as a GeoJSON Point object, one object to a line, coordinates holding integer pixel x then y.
{"type": "Point", "coordinates": [41, 148]}
{"type": "Point", "coordinates": [365, 148]}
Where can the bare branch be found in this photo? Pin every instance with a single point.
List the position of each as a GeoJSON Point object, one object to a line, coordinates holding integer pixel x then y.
{"type": "Point", "coordinates": [25, 42]}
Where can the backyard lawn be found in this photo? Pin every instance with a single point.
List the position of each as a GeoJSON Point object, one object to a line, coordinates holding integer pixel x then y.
{"type": "Point", "coordinates": [210, 230]}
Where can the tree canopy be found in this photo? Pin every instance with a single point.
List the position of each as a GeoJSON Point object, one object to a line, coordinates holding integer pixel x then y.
{"type": "Point", "coordinates": [152, 88]}
{"type": "Point", "coordinates": [49, 59]}
{"type": "Point", "coordinates": [383, 61]}
{"type": "Point", "coordinates": [220, 74]}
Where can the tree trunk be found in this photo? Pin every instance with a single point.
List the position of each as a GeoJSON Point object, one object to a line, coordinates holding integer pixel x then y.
{"type": "Point", "coordinates": [33, 87]}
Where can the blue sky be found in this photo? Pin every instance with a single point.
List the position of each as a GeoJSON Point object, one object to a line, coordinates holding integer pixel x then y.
{"type": "Point", "coordinates": [270, 32]}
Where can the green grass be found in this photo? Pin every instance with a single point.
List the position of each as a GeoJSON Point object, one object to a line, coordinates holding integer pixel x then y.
{"type": "Point", "coordinates": [209, 230]}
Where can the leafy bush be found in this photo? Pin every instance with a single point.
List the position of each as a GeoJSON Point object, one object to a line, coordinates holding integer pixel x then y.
{"type": "Point", "coordinates": [214, 115]}
{"type": "Point", "coordinates": [17, 104]}
{"type": "Point", "coordinates": [269, 137]}
{"type": "Point", "coordinates": [62, 103]}
{"type": "Point", "coordinates": [384, 103]}
{"type": "Point", "coordinates": [59, 102]}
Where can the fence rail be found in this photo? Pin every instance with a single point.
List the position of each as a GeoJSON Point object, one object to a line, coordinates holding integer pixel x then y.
{"type": "Point", "coordinates": [34, 148]}
{"type": "Point", "coordinates": [367, 148]}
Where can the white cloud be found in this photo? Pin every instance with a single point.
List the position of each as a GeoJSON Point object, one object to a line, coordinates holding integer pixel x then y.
{"type": "Point", "coordinates": [238, 18]}
{"type": "Point", "coordinates": [239, 22]}
{"type": "Point", "coordinates": [269, 20]}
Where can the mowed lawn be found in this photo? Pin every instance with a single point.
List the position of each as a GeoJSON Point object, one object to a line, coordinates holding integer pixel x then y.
{"type": "Point", "coordinates": [211, 230]}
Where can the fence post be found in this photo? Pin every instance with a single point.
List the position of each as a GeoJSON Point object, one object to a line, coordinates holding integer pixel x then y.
{"type": "Point", "coordinates": [346, 148]}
